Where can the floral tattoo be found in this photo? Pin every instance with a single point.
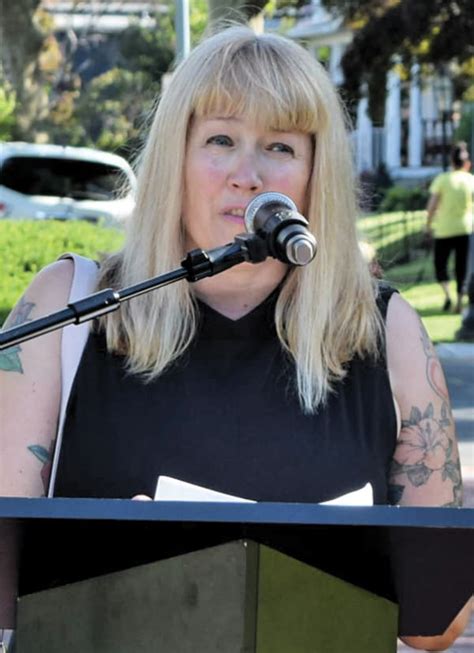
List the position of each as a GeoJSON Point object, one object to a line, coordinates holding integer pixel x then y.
{"type": "Point", "coordinates": [10, 358]}
{"type": "Point", "coordinates": [425, 447]}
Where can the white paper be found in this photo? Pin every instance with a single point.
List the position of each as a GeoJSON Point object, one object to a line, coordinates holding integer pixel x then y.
{"type": "Point", "coordinates": [362, 497]}
{"type": "Point", "coordinates": [172, 489]}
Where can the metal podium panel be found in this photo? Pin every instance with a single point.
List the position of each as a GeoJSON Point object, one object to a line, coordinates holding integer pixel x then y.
{"type": "Point", "coordinates": [402, 554]}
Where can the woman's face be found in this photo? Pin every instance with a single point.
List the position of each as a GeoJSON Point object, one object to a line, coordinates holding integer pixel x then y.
{"type": "Point", "coordinates": [228, 162]}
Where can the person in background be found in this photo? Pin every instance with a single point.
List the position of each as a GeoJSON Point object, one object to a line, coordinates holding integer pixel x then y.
{"type": "Point", "coordinates": [316, 380]}
{"type": "Point", "coordinates": [450, 216]}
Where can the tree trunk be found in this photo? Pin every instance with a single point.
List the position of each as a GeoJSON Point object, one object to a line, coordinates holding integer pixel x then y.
{"type": "Point", "coordinates": [21, 44]}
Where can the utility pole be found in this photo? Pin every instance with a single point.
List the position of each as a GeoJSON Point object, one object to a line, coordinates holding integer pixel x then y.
{"type": "Point", "coordinates": [183, 41]}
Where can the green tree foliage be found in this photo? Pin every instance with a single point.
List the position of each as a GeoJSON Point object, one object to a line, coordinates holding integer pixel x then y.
{"type": "Point", "coordinates": [113, 108]}
{"type": "Point", "coordinates": [111, 111]}
{"type": "Point", "coordinates": [465, 130]}
{"type": "Point", "coordinates": [7, 111]}
{"type": "Point", "coordinates": [198, 19]}
{"type": "Point", "coordinates": [149, 52]}
{"type": "Point", "coordinates": [29, 60]}
{"type": "Point", "coordinates": [436, 32]}
{"type": "Point", "coordinates": [108, 111]}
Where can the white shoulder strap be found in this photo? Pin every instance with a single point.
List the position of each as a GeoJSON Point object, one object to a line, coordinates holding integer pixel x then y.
{"type": "Point", "coordinates": [73, 340]}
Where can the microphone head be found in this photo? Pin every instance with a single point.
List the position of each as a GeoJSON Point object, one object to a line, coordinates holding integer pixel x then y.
{"type": "Point", "coordinates": [264, 200]}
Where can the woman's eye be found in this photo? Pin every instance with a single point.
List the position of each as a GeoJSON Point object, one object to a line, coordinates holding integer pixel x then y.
{"type": "Point", "coordinates": [281, 147]}
{"type": "Point", "coordinates": [219, 139]}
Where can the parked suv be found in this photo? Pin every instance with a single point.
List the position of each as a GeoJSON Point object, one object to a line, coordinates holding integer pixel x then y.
{"type": "Point", "coordinates": [64, 183]}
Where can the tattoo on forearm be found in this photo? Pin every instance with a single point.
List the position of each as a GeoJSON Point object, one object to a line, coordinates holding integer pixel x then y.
{"type": "Point", "coordinates": [434, 371]}
{"type": "Point", "coordinates": [10, 358]}
{"type": "Point", "coordinates": [46, 458]}
{"type": "Point", "coordinates": [424, 448]}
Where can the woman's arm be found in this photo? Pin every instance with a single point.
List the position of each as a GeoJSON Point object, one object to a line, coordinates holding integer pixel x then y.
{"type": "Point", "coordinates": [431, 207]}
{"type": "Point", "coordinates": [30, 393]}
{"type": "Point", "coordinates": [426, 469]}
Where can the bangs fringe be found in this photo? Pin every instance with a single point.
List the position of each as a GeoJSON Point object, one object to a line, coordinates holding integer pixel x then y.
{"type": "Point", "coordinates": [249, 82]}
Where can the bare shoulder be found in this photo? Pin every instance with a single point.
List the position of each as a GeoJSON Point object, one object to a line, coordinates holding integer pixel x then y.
{"type": "Point", "coordinates": [413, 363]}
{"type": "Point", "coordinates": [30, 386]}
{"type": "Point", "coordinates": [48, 291]}
{"type": "Point", "coordinates": [402, 319]}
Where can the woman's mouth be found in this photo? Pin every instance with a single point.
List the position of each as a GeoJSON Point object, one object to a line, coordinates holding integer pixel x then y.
{"type": "Point", "coordinates": [234, 215]}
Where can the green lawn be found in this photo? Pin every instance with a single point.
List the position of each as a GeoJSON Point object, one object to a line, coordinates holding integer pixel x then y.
{"type": "Point", "coordinates": [398, 236]}
{"type": "Point", "coordinates": [416, 282]}
{"type": "Point", "coordinates": [393, 235]}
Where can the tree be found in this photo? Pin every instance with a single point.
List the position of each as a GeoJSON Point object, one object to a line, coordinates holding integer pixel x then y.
{"type": "Point", "coordinates": [7, 111]}
{"type": "Point", "coordinates": [112, 109]}
{"type": "Point", "coordinates": [28, 57]}
{"type": "Point", "coordinates": [148, 51]}
{"type": "Point", "coordinates": [436, 33]}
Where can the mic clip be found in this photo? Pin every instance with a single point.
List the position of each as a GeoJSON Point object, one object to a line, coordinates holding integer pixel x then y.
{"type": "Point", "coordinates": [205, 263]}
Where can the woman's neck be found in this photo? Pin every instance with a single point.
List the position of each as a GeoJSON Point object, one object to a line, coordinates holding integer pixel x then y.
{"type": "Point", "coordinates": [237, 291]}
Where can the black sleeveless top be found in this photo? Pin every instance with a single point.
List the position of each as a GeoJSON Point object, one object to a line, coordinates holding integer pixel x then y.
{"type": "Point", "coordinates": [226, 416]}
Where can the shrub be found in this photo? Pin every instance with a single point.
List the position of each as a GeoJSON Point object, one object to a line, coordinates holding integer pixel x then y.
{"type": "Point", "coordinates": [27, 246]}
{"type": "Point", "coordinates": [373, 186]}
{"type": "Point", "coordinates": [399, 198]}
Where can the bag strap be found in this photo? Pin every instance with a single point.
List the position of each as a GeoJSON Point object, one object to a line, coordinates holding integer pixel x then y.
{"type": "Point", "coordinates": [73, 340]}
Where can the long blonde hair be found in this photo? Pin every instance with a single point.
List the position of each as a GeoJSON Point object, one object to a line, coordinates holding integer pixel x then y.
{"type": "Point", "coordinates": [326, 311]}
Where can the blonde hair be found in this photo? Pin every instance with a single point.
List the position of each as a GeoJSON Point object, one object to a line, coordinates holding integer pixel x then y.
{"type": "Point", "coordinates": [326, 311]}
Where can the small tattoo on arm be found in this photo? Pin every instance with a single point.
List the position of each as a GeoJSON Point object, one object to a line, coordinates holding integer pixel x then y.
{"type": "Point", "coordinates": [10, 358]}
{"type": "Point", "coordinates": [46, 458]}
{"type": "Point", "coordinates": [425, 449]}
{"type": "Point", "coordinates": [434, 371]}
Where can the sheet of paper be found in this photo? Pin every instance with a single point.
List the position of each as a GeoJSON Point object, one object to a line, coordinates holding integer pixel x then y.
{"type": "Point", "coordinates": [172, 489]}
{"type": "Point", "coordinates": [362, 497]}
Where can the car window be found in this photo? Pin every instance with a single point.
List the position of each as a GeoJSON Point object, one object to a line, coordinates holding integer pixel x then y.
{"type": "Point", "coordinates": [62, 177]}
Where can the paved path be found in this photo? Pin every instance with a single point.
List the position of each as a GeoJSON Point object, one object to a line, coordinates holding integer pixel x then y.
{"type": "Point", "coordinates": [458, 363]}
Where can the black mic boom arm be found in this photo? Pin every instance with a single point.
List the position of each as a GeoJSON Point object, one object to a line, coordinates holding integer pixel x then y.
{"type": "Point", "coordinates": [197, 265]}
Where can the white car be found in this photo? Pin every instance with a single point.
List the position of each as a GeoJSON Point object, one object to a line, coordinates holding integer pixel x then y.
{"type": "Point", "coordinates": [64, 183]}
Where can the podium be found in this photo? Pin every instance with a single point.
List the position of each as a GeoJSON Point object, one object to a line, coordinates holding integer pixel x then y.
{"type": "Point", "coordinates": [171, 577]}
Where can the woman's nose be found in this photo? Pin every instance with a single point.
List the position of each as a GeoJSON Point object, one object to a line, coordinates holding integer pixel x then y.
{"type": "Point", "coordinates": [245, 173]}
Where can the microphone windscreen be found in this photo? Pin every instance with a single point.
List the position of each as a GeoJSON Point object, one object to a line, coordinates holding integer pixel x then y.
{"type": "Point", "coordinates": [262, 201]}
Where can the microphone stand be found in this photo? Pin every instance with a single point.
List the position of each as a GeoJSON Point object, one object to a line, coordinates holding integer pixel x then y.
{"type": "Point", "coordinates": [197, 265]}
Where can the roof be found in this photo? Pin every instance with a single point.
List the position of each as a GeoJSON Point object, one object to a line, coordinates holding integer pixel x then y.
{"type": "Point", "coordinates": [62, 151]}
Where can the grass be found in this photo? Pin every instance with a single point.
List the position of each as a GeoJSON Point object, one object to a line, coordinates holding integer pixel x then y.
{"type": "Point", "coordinates": [415, 280]}
{"type": "Point", "coordinates": [393, 235]}
{"type": "Point", "coordinates": [398, 236]}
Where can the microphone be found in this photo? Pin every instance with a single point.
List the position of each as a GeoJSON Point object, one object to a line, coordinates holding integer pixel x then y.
{"type": "Point", "coordinates": [275, 218]}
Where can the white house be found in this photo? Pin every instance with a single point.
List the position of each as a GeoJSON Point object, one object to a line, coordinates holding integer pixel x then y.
{"type": "Point", "coordinates": [414, 140]}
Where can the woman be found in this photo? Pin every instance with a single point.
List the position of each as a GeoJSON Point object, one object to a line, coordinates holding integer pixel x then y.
{"type": "Point", "coordinates": [298, 350]}
{"type": "Point", "coordinates": [450, 220]}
